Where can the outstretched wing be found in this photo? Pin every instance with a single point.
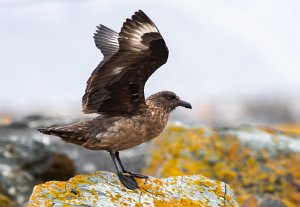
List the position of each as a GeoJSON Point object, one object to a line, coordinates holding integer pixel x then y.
{"type": "Point", "coordinates": [116, 86]}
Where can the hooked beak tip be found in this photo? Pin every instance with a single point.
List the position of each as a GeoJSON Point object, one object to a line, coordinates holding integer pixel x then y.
{"type": "Point", "coordinates": [185, 104]}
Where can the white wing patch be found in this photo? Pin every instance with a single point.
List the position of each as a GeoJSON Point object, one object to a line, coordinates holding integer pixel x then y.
{"type": "Point", "coordinates": [117, 70]}
{"type": "Point", "coordinates": [132, 32]}
{"type": "Point", "coordinates": [136, 39]}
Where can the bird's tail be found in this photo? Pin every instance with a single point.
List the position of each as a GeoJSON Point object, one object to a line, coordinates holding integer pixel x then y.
{"type": "Point", "coordinates": [69, 133]}
{"type": "Point", "coordinates": [55, 130]}
{"type": "Point", "coordinates": [47, 130]}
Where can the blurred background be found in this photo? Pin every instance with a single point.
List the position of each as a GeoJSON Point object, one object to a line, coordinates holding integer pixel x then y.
{"type": "Point", "coordinates": [236, 62]}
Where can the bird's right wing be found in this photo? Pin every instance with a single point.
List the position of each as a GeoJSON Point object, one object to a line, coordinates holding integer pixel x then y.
{"type": "Point", "coordinates": [116, 86]}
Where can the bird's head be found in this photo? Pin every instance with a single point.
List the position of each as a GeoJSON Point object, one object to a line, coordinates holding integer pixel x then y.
{"type": "Point", "coordinates": [168, 100]}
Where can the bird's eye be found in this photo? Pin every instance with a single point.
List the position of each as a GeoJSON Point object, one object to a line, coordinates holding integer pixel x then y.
{"type": "Point", "coordinates": [172, 97]}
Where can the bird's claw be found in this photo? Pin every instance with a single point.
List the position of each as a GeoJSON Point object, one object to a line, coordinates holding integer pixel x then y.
{"type": "Point", "coordinates": [137, 175]}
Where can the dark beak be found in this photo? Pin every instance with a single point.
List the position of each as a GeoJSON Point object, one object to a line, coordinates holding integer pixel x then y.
{"type": "Point", "coordinates": [185, 104]}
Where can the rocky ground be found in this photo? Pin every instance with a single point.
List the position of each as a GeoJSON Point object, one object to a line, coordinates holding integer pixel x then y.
{"type": "Point", "coordinates": [104, 189]}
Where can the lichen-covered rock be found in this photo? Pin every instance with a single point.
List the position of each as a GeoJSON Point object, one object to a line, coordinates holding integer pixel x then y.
{"type": "Point", "coordinates": [254, 161]}
{"type": "Point", "coordinates": [104, 189]}
{"type": "Point", "coordinates": [289, 128]}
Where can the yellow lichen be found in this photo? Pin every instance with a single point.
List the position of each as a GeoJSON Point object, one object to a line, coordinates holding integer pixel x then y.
{"type": "Point", "coordinates": [115, 198]}
{"type": "Point", "coordinates": [181, 151]}
{"type": "Point", "coordinates": [289, 128]}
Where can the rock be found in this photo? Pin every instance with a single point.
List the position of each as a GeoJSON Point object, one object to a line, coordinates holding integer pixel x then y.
{"type": "Point", "coordinates": [259, 138]}
{"type": "Point", "coordinates": [60, 168]}
{"type": "Point", "coordinates": [25, 162]}
{"type": "Point", "coordinates": [290, 128]}
{"type": "Point", "coordinates": [254, 161]}
{"type": "Point", "coordinates": [265, 201]}
{"type": "Point", "coordinates": [104, 189]}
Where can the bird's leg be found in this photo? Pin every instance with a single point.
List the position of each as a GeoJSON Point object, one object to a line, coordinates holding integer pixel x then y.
{"type": "Point", "coordinates": [120, 163]}
{"type": "Point", "coordinates": [125, 171]}
{"type": "Point", "coordinates": [127, 180]}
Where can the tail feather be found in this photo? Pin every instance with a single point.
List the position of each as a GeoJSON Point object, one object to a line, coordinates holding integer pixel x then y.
{"type": "Point", "coordinates": [68, 133]}
{"type": "Point", "coordinates": [58, 131]}
{"type": "Point", "coordinates": [47, 130]}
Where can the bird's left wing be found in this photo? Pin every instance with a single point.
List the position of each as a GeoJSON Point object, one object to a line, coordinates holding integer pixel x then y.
{"type": "Point", "coordinates": [116, 86]}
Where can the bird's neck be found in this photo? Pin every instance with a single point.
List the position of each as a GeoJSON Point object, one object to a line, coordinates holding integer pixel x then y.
{"type": "Point", "coordinates": [157, 108]}
{"type": "Point", "coordinates": [157, 119]}
{"type": "Point", "coordinates": [157, 114]}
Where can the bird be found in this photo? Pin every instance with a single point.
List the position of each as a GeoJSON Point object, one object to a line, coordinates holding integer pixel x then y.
{"type": "Point", "coordinates": [115, 91]}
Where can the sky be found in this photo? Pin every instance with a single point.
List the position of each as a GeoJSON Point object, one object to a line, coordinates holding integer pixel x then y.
{"type": "Point", "coordinates": [218, 49]}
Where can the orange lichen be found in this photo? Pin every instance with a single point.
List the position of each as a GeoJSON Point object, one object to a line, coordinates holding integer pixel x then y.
{"type": "Point", "coordinates": [178, 203]}
{"type": "Point", "coordinates": [181, 151]}
{"type": "Point", "coordinates": [138, 204]}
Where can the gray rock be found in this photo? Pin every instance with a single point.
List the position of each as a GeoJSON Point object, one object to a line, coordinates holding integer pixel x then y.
{"type": "Point", "coordinates": [25, 161]}
{"type": "Point", "coordinates": [104, 189]}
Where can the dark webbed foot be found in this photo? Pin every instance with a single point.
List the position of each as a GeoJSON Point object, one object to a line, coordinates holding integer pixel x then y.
{"type": "Point", "coordinates": [137, 175]}
{"type": "Point", "coordinates": [127, 178]}
{"type": "Point", "coordinates": [128, 181]}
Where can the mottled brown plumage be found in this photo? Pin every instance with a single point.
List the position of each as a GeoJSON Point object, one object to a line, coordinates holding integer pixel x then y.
{"type": "Point", "coordinates": [116, 133]}
{"type": "Point", "coordinates": [115, 90]}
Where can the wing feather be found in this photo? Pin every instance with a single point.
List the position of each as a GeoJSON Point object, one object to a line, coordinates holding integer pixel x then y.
{"type": "Point", "coordinates": [106, 40]}
{"type": "Point", "coordinates": [116, 86]}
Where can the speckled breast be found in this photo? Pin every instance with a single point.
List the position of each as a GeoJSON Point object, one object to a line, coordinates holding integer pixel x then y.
{"type": "Point", "coordinates": [139, 129]}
